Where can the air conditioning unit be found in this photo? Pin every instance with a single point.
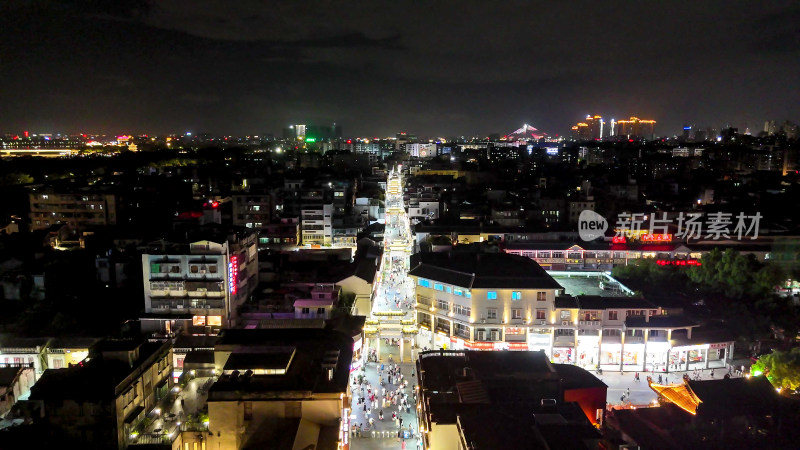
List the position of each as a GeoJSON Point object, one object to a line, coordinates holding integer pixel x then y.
{"type": "Point", "coordinates": [565, 322]}
{"type": "Point", "coordinates": [481, 335]}
{"type": "Point", "coordinates": [483, 320]}
{"type": "Point", "coordinates": [541, 322]}
{"type": "Point", "coordinates": [179, 306]}
{"type": "Point", "coordinates": [582, 322]}
{"type": "Point", "coordinates": [495, 336]}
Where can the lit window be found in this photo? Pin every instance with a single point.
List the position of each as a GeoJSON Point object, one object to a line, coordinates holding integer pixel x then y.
{"type": "Point", "coordinates": [468, 294]}
{"type": "Point", "coordinates": [215, 321]}
{"type": "Point", "coordinates": [199, 321]}
{"type": "Point", "coordinates": [516, 295]}
{"type": "Point", "coordinates": [491, 295]}
{"type": "Point", "coordinates": [448, 289]}
{"type": "Point", "coordinates": [458, 292]}
{"type": "Point", "coordinates": [438, 286]}
{"type": "Point", "coordinates": [424, 283]}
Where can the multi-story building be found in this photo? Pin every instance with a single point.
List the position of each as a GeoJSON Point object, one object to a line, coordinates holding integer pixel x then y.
{"type": "Point", "coordinates": [199, 284]}
{"type": "Point", "coordinates": [102, 402]}
{"type": "Point", "coordinates": [579, 204]}
{"type": "Point", "coordinates": [24, 352]}
{"type": "Point", "coordinates": [282, 235]}
{"type": "Point", "coordinates": [316, 226]}
{"type": "Point", "coordinates": [487, 302]}
{"type": "Point", "coordinates": [478, 301]}
{"type": "Point", "coordinates": [637, 128]}
{"type": "Point", "coordinates": [500, 400]}
{"type": "Point", "coordinates": [281, 385]}
{"type": "Point", "coordinates": [80, 209]}
{"type": "Point", "coordinates": [252, 210]}
{"type": "Point", "coordinates": [65, 352]}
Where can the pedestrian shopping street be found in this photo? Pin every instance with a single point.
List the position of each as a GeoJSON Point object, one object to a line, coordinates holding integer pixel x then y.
{"type": "Point", "coordinates": [381, 385]}
{"type": "Point", "coordinates": [385, 431]}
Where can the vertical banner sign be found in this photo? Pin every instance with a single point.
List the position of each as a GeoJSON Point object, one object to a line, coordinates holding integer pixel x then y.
{"type": "Point", "coordinates": [233, 274]}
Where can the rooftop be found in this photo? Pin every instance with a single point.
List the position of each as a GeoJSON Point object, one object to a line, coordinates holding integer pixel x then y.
{"type": "Point", "coordinates": [96, 379]}
{"type": "Point", "coordinates": [482, 270]}
{"type": "Point", "coordinates": [586, 285]}
{"type": "Point", "coordinates": [314, 351]}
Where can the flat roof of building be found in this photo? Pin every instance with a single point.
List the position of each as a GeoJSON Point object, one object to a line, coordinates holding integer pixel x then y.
{"type": "Point", "coordinates": [482, 270]}
{"type": "Point", "coordinates": [316, 351]}
{"type": "Point", "coordinates": [96, 379]}
{"type": "Point", "coordinates": [585, 285]}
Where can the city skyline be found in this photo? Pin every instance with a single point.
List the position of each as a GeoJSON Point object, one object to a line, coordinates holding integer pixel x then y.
{"type": "Point", "coordinates": [434, 70]}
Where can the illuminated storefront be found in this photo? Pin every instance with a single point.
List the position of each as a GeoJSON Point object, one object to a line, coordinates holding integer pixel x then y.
{"type": "Point", "coordinates": [588, 350]}
{"type": "Point", "coordinates": [563, 355]}
{"type": "Point", "coordinates": [540, 339]}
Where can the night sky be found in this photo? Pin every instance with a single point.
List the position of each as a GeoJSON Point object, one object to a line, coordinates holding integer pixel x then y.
{"type": "Point", "coordinates": [433, 68]}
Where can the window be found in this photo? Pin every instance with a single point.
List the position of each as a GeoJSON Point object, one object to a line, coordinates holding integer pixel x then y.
{"type": "Point", "coordinates": [304, 310]}
{"type": "Point", "coordinates": [491, 313]}
{"type": "Point", "coordinates": [516, 295]}
{"type": "Point", "coordinates": [558, 255]}
{"type": "Point", "coordinates": [491, 295]}
{"type": "Point", "coordinates": [194, 269]}
{"type": "Point", "coordinates": [448, 289]}
{"type": "Point", "coordinates": [320, 310]}
{"type": "Point", "coordinates": [612, 315]}
{"type": "Point", "coordinates": [540, 314]}
{"type": "Point", "coordinates": [459, 292]}
{"type": "Point", "coordinates": [566, 314]}
{"type": "Point", "coordinates": [199, 321]}
{"type": "Point", "coordinates": [468, 294]}
{"type": "Point", "coordinates": [541, 296]}
{"type": "Point", "coordinates": [591, 315]}
{"type": "Point", "coordinates": [441, 304]}
{"type": "Point", "coordinates": [516, 313]}
{"type": "Point", "coordinates": [438, 286]}
{"type": "Point", "coordinates": [462, 310]}
{"type": "Point", "coordinates": [424, 283]}
{"type": "Point", "coordinates": [212, 269]}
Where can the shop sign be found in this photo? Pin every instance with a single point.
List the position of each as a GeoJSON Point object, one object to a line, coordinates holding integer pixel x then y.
{"type": "Point", "coordinates": [480, 345]}
{"type": "Point", "coordinates": [719, 345]}
{"type": "Point", "coordinates": [680, 262]}
{"type": "Point", "coordinates": [517, 346]}
{"type": "Point", "coordinates": [649, 237]}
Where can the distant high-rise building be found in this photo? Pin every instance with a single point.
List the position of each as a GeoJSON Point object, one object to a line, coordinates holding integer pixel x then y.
{"type": "Point", "coordinates": [636, 127]}
{"type": "Point", "coordinates": [580, 132]}
{"type": "Point", "coordinates": [595, 127]}
{"type": "Point", "coordinates": [687, 133]}
{"type": "Point", "coordinates": [769, 127]}
{"type": "Point", "coordinates": [590, 130]}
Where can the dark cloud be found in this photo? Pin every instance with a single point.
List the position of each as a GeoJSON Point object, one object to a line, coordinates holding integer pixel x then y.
{"type": "Point", "coordinates": [435, 68]}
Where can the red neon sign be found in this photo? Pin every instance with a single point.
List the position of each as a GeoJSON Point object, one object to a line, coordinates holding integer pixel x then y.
{"type": "Point", "coordinates": [618, 240]}
{"type": "Point", "coordinates": [233, 274]}
{"type": "Point", "coordinates": [681, 262]}
{"type": "Point", "coordinates": [656, 238]}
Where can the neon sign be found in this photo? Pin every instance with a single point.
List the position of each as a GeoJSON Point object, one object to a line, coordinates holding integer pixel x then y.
{"type": "Point", "coordinates": [656, 238]}
{"type": "Point", "coordinates": [618, 240]}
{"type": "Point", "coordinates": [233, 274]}
{"type": "Point", "coordinates": [682, 262]}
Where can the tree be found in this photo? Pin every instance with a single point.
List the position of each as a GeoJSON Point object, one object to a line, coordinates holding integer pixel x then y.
{"type": "Point", "coordinates": [782, 369]}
